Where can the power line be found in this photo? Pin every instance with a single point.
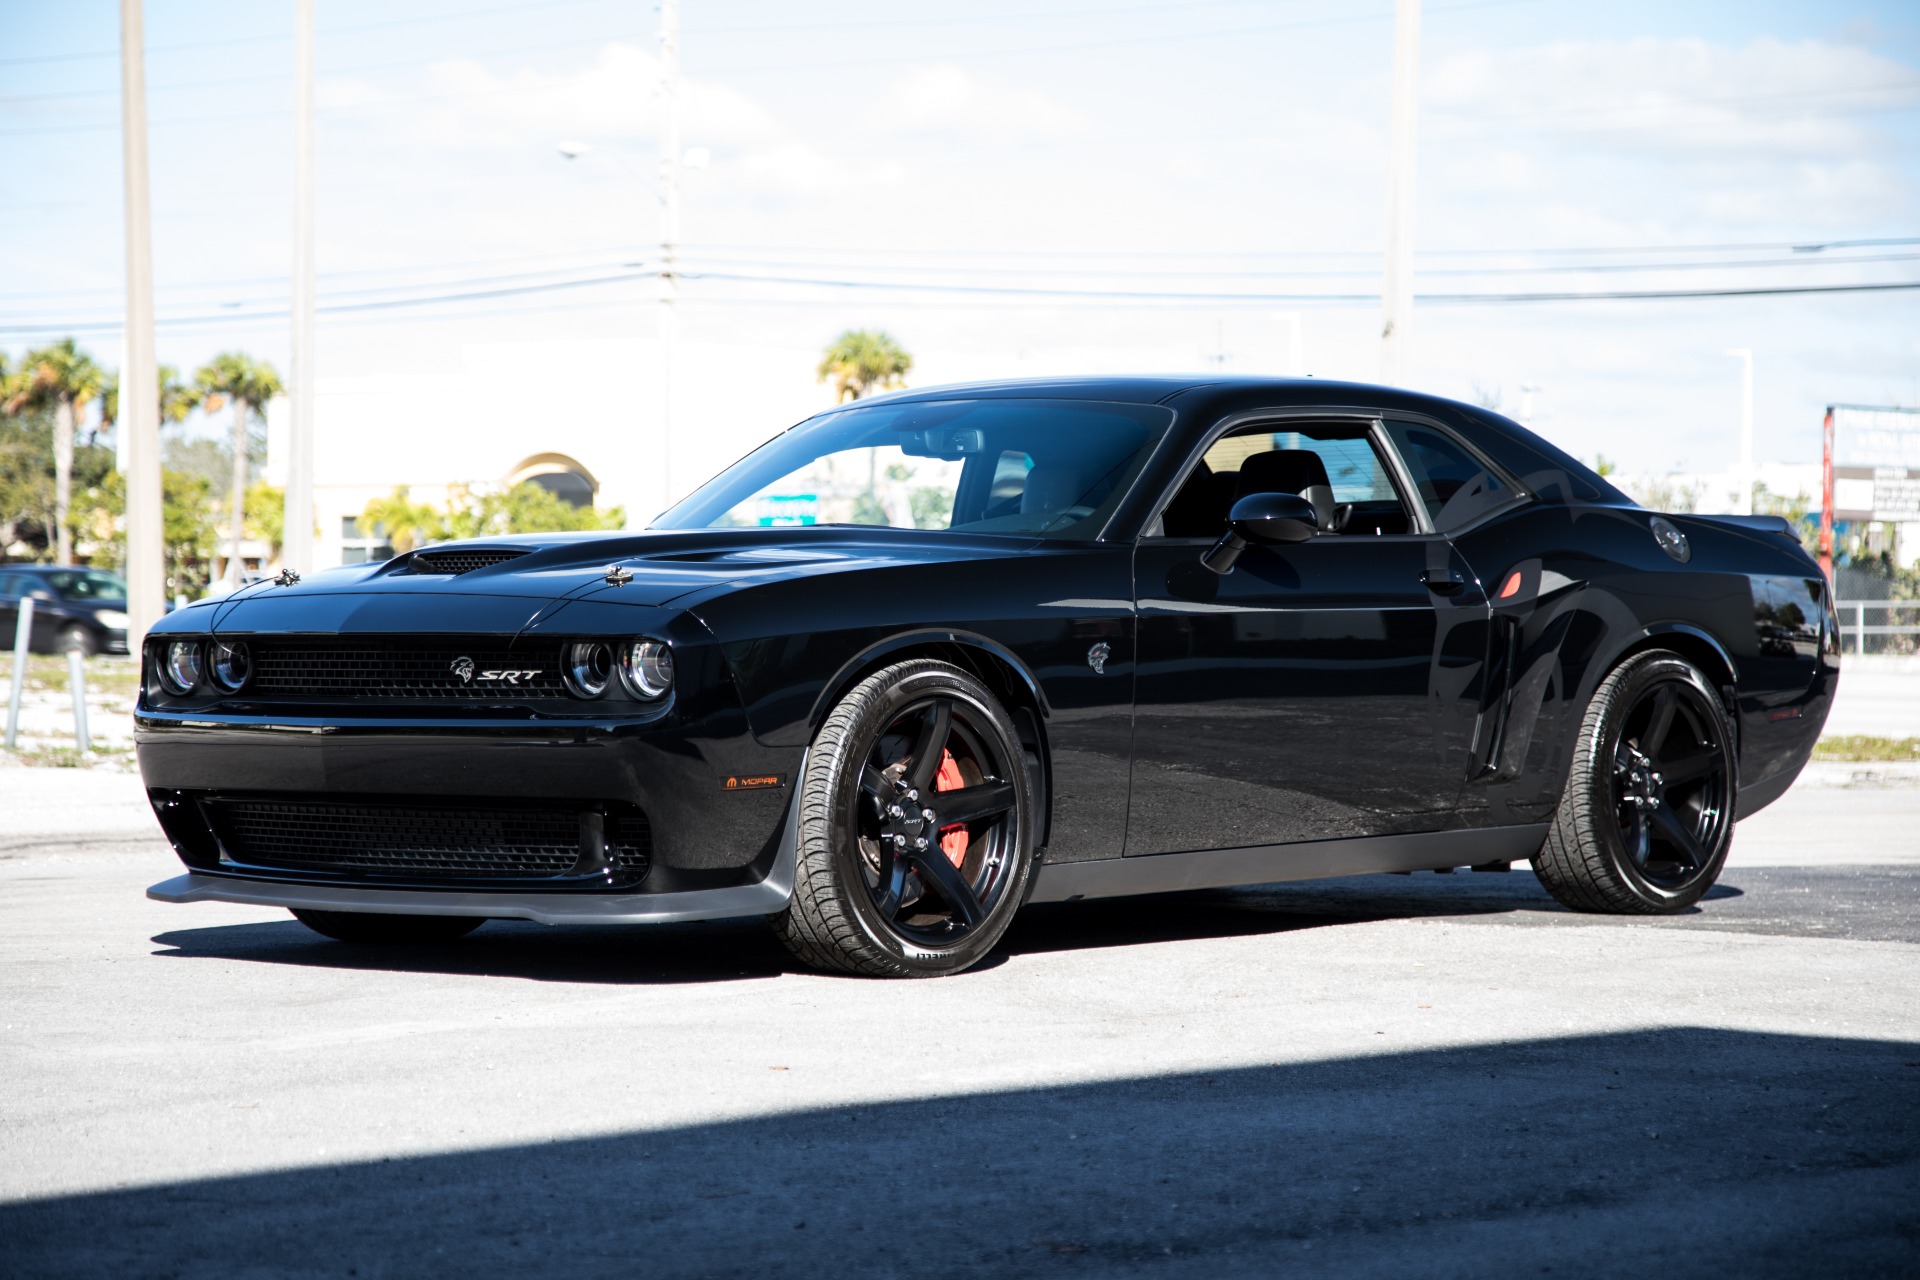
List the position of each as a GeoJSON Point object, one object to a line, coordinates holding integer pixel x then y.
{"type": "Point", "coordinates": [1230, 298]}
{"type": "Point", "coordinates": [562, 275]}
{"type": "Point", "coordinates": [287, 36]}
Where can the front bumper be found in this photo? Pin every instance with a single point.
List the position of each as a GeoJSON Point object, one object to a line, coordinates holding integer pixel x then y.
{"type": "Point", "coordinates": [768, 896]}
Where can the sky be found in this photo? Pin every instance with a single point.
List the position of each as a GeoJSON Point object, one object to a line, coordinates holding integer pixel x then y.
{"type": "Point", "coordinates": [1055, 186]}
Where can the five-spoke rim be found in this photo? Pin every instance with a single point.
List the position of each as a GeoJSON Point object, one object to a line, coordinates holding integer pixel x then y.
{"type": "Point", "coordinates": [1670, 784]}
{"type": "Point", "coordinates": [934, 821]}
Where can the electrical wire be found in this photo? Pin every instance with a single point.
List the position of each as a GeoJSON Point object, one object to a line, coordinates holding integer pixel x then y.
{"type": "Point", "coordinates": [1234, 298]}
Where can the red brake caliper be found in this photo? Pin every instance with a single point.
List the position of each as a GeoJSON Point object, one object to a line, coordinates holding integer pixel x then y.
{"type": "Point", "coordinates": [953, 840]}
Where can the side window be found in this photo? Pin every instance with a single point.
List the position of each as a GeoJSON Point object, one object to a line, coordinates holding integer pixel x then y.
{"type": "Point", "coordinates": [1452, 483]}
{"type": "Point", "coordinates": [1333, 466]}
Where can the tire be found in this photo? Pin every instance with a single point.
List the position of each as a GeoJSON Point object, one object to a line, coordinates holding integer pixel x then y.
{"type": "Point", "coordinates": [77, 639]}
{"type": "Point", "coordinates": [375, 929]}
{"type": "Point", "coordinates": [1646, 820]}
{"type": "Point", "coordinates": [880, 888]}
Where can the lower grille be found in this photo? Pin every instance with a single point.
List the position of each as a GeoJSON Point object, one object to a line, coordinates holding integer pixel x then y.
{"type": "Point", "coordinates": [430, 842]}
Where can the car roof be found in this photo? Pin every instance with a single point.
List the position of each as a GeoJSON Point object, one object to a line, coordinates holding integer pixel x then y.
{"type": "Point", "coordinates": [1203, 398]}
{"type": "Point", "coordinates": [1161, 388]}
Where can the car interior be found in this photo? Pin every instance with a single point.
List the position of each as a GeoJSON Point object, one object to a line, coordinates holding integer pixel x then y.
{"type": "Point", "coordinates": [1336, 467]}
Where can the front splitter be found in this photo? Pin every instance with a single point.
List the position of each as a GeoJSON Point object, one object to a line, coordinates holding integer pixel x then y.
{"type": "Point", "coordinates": [766, 897]}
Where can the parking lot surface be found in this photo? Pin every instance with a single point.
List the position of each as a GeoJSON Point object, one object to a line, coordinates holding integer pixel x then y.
{"type": "Point", "coordinates": [1437, 1075]}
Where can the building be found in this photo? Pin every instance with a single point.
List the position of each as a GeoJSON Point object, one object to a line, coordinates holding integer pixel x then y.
{"type": "Point", "coordinates": [582, 419]}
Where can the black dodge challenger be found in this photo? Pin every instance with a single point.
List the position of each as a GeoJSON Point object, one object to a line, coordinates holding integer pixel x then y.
{"type": "Point", "coordinates": [925, 658]}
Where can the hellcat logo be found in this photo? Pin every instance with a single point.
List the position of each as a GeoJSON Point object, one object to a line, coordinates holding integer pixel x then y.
{"type": "Point", "coordinates": [463, 670]}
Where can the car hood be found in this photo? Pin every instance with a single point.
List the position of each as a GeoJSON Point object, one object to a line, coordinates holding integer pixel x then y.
{"type": "Point", "coordinates": [654, 568]}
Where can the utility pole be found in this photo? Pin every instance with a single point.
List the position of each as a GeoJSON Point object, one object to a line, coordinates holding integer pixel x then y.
{"type": "Point", "coordinates": [297, 537]}
{"type": "Point", "coordinates": [1396, 295]}
{"type": "Point", "coordinates": [1743, 503]}
{"type": "Point", "coordinates": [1296, 361]}
{"type": "Point", "coordinates": [139, 376]}
{"type": "Point", "coordinates": [669, 230]}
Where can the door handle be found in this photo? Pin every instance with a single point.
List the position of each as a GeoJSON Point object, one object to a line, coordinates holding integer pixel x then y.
{"type": "Point", "coordinates": [1442, 581]}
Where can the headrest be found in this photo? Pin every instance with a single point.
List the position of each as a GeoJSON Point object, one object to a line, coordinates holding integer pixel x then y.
{"type": "Point", "coordinates": [1282, 471]}
{"type": "Point", "coordinates": [1051, 486]}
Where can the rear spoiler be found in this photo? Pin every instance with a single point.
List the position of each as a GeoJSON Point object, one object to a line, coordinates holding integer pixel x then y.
{"type": "Point", "coordinates": [1758, 524]}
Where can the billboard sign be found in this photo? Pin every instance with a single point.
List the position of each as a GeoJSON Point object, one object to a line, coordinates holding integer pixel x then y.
{"type": "Point", "coordinates": [1873, 460]}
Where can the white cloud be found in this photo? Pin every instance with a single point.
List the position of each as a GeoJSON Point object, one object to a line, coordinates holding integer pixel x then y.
{"type": "Point", "coordinates": [946, 100]}
{"type": "Point", "coordinates": [1768, 98]}
{"type": "Point", "coordinates": [461, 102]}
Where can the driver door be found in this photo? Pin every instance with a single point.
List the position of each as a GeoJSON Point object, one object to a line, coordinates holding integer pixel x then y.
{"type": "Point", "coordinates": [1294, 698]}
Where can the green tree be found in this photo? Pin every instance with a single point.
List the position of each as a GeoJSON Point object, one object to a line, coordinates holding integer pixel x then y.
{"type": "Point", "coordinates": [863, 361]}
{"type": "Point", "coordinates": [267, 516]}
{"type": "Point", "coordinates": [525, 508]}
{"type": "Point", "coordinates": [235, 378]}
{"type": "Point", "coordinates": [404, 523]}
{"type": "Point", "coordinates": [177, 398]}
{"type": "Point", "coordinates": [186, 527]}
{"type": "Point", "coordinates": [63, 378]}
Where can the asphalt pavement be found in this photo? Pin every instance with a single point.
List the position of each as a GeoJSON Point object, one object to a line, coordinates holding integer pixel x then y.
{"type": "Point", "coordinates": [1435, 1075]}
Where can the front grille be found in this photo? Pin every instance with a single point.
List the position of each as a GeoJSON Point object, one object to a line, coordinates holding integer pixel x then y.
{"type": "Point", "coordinates": [460, 560]}
{"type": "Point", "coordinates": [323, 668]}
{"type": "Point", "coordinates": [430, 842]}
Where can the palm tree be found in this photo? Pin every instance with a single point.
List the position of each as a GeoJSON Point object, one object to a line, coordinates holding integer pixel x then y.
{"type": "Point", "coordinates": [65, 378]}
{"type": "Point", "coordinates": [177, 399]}
{"type": "Point", "coordinates": [248, 384]}
{"type": "Point", "coordinates": [863, 361]}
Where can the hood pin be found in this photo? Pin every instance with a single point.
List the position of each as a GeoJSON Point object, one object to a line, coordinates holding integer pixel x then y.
{"type": "Point", "coordinates": [618, 575]}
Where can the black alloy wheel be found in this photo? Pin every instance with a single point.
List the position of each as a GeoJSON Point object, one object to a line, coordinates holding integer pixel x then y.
{"type": "Point", "coordinates": [1647, 817]}
{"type": "Point", "coordinates": [915, 844]}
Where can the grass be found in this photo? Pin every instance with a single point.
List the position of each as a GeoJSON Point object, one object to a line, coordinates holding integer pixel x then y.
{"type": "Point", "coordinates": [108, 676]}
{"type": "Point", "coordinates": [1860, 748]}
{"type": "Point", "coordinates": [46, 756]}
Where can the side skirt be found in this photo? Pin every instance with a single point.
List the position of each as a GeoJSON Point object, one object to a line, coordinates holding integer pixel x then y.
{"type": "Point", "coordinates": [1276, 863]}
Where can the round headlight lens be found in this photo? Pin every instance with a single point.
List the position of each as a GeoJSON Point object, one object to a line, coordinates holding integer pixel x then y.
{"type": "Point", "coordinates": [589, 668]}
{"type": "Point", "coordinates": [180, 667]}
{"type": "Point", "coordinates": [646, 667]}
{"type": "Point", "coordinates": [231, 664]}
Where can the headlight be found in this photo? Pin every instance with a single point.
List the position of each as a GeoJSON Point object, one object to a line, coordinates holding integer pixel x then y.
{"type": "Point", "coordinates": [589, 668]}
{"type": "Point", "coordinates": [232, 664]}
{"type": "Point", "coordinates": [180, 667]}
{"type": "Point", "coordinates": [646, 668]}
{"type": "Point", "coordinates": [111, 619]}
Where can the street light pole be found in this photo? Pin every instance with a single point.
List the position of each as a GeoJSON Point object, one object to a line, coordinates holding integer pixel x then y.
{"type": "Point", "coordinates": [139, 378]}
{"type": "Point", "coordinates": [1396, 294]}
{"type": "Point", "coordinates": [297, 536]}
{"type": "Point", "coordinates": [669, 230]}
{"type": "Point", "coordinates": [1744, 502]}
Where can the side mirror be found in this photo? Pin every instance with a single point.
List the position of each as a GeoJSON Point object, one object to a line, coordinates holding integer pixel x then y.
{"type": "Point", "coordinates": [1262, 517]}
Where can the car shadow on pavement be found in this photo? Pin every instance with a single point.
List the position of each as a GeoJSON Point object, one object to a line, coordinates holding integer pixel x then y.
{"type": "Point", "coordinates": [637, 955]}
{"type": "Point", "coordinates": [1676, 1151]}
{"type": "Point", "coordinates": [728, 951]}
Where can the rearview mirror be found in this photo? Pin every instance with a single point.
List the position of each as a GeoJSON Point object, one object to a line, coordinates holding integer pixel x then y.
{"type": "Point", "coordinates": [1262, 517]}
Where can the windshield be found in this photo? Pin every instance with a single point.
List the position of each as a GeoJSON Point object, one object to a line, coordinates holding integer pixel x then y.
{"type": "Point", "coordinates": [88, 584]}
{"type": "Point", "coordinates": [1045, 468]}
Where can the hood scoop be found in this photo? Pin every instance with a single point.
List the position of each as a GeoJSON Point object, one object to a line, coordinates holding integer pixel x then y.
{"type": "Point", "coordinates": [457, 560]}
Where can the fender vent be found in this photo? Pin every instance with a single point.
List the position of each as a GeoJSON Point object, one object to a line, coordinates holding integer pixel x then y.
{"type": "Point", "coordinates": [460, 560]}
